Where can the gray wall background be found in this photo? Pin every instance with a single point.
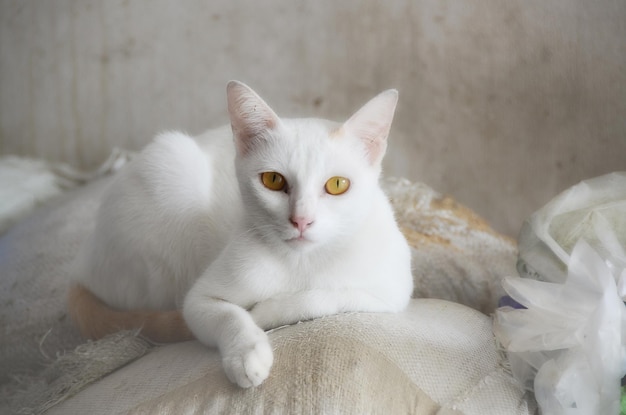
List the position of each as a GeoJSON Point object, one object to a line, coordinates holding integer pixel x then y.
{"type": "Point", "coordinates": [502, 104]}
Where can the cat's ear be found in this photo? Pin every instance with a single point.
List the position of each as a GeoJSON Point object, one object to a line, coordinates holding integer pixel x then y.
{"type": "Point", "coordinates": [372, 124]}
{"type": "Point", "coordinates": [250, 116]}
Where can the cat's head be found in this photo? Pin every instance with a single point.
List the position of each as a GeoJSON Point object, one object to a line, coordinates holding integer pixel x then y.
{"type": "Point", "coordinates": [306, 182]}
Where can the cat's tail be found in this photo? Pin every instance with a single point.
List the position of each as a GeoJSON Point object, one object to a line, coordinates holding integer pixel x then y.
{"type": "Point", "coordinates": [95, 319]}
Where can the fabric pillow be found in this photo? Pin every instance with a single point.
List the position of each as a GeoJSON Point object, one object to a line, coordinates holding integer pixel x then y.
{"type": "Point", "coordinates": [435, 357]}
{"type": "Point", "coordinates": [456, 255]}
{"type": "Point", "coordinates": [34, 259]}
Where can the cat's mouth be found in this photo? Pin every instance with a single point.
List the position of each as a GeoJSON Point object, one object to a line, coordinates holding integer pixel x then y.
{"type": "Point", "coordinates": [299, 239]}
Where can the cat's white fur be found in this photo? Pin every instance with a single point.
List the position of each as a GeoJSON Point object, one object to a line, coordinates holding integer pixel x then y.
{"type": "Point", "coordinates": [189, 223]}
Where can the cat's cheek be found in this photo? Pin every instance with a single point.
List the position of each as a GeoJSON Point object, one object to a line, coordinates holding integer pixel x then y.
{"type": "Point", "coordinates": [328, 228]}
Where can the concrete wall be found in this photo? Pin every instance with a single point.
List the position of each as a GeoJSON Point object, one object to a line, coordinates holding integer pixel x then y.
{"type": "Point", "coordinates": [502, 104]}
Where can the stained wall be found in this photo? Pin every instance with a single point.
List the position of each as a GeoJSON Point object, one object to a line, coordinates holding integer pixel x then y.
{"type": "Point", "coordinates": [502, 104]}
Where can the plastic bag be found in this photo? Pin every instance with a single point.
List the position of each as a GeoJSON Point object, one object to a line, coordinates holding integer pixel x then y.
{"type": "Point", "coordinates": [570, 335]}
{"type": "Point", "coordinates": [593, 210]}
{"type": "Point", "coordinates": [568, 342]}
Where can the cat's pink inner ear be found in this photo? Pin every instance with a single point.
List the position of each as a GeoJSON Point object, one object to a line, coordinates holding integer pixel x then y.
{"type": "Point", "coordinates": [372, 124]}
{"type": "Point", "coordinates": [250, 117]}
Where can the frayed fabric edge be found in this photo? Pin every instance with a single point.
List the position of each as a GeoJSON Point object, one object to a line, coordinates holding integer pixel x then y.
{"type": "Point", "coordinates": [72, 372]}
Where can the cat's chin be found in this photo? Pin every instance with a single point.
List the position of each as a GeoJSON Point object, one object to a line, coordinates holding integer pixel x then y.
{"type": "Point", "coordinates": [299, 240]}
{"type": "Point", "coordinates": [300, 243]}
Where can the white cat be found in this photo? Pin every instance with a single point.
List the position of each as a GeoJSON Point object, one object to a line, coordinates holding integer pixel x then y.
{"type": "Point", "coordinates": [285, 223]}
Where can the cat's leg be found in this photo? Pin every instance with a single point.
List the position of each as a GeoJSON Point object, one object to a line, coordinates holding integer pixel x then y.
{"type": "Point", "coordinates": [246, 352]}
{"type": "Point", "coordinates": [290, 308]}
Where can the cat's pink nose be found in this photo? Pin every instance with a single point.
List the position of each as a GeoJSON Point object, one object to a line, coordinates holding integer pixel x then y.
{"type": "Point", "coordinates": [301, 223]}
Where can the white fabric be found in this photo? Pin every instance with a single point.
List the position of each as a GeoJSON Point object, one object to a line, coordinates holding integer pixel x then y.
{"type": "Point", "coordinates": [26, 184]}
{"type": "Point", "coordinates": [434, 356]}
{"type": "Point", "coordinates": [34, 259]}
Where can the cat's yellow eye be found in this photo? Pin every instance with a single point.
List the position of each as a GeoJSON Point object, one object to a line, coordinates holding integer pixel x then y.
{"type": "Point", "coordinates": [337, 185]}
{"type": "Point", "coordinates": [273, 180]}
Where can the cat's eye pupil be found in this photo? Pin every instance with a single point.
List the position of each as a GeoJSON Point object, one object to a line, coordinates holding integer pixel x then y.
{"type": "Point", "coordinates": [273, 180]}
{"type": "Point", "coordinates": [337, 185]}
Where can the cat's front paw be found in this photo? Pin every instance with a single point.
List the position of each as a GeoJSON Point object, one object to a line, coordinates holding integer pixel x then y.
{"type": "Point", "coordinates": [248, 362]}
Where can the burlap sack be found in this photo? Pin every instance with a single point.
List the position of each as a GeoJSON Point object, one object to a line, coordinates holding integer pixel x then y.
{"type": "Point", "coordinates": [436, 357]}
{"type": "Point", "coordinates": [456, 256]}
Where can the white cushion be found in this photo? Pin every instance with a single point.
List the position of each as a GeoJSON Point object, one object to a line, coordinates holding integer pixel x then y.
{"type": "Point", "coordinates": [435, 356]}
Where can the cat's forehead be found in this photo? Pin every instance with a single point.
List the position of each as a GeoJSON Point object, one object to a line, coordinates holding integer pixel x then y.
{"type": "Point", "coordinates": [310, 128]}
{"type": "Point", "coordinates": [312, 138]}
{"type": "Point", "coordinates": [308, 146]}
